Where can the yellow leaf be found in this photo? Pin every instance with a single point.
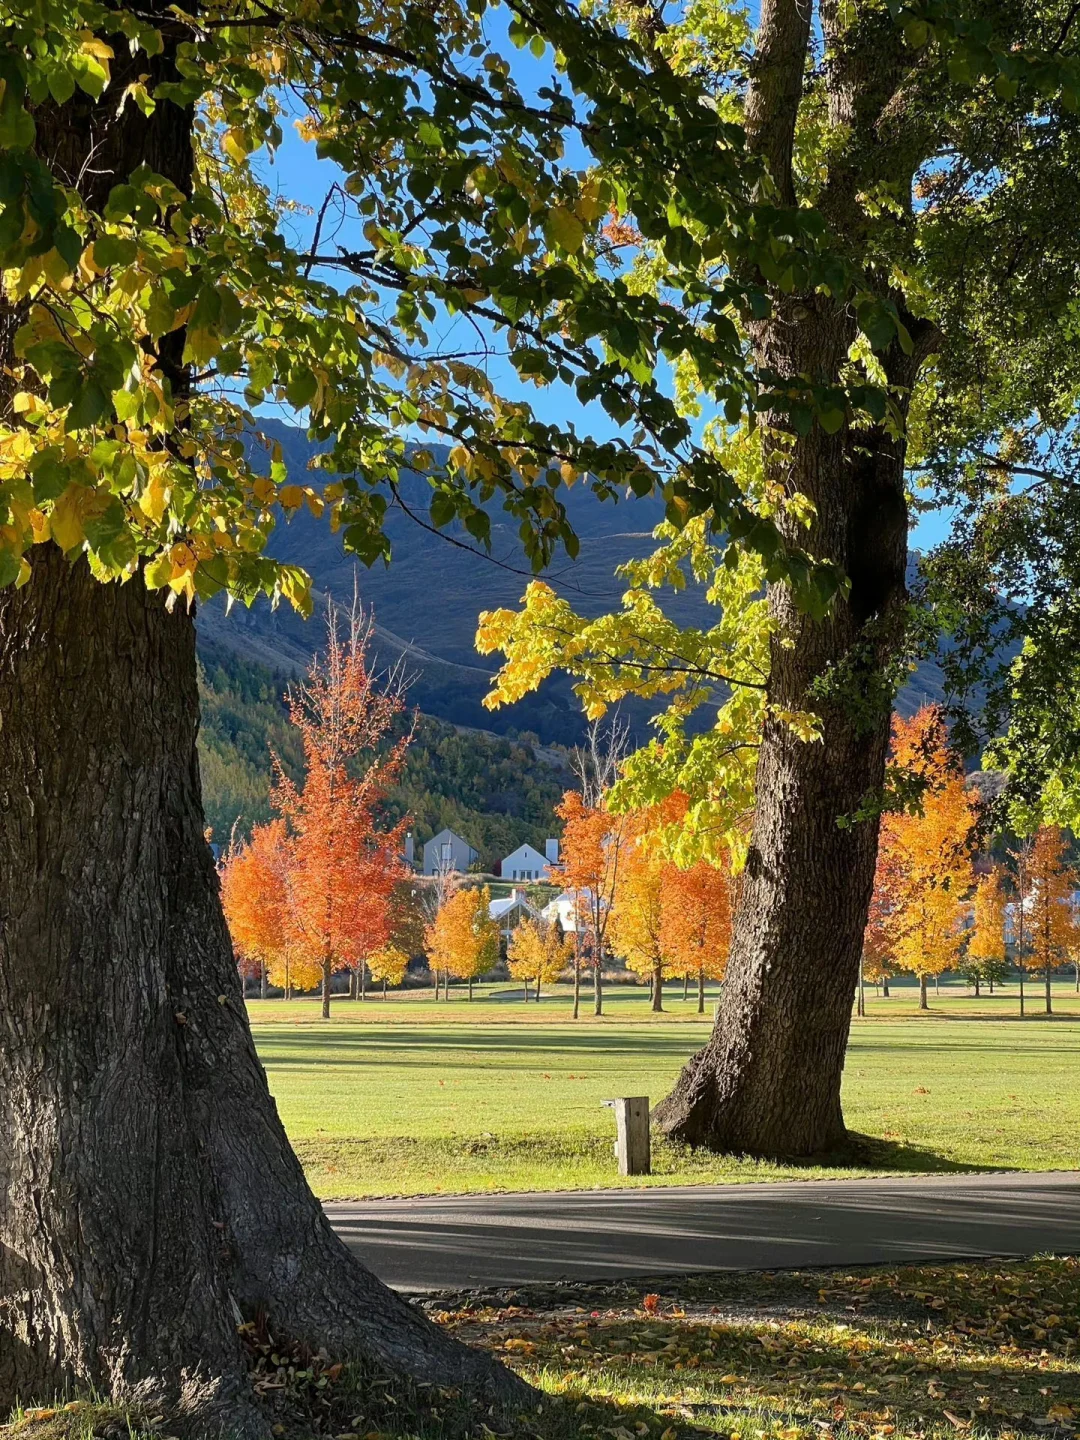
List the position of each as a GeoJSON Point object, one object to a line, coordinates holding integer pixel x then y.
{"type": "Point", "coordinates": [234, 143]}
{"type": "Point", "coordinates": [291, 497]}
{"type": "Point", "coordinates": [154, 498]}
{"type": "Point", "coordinates": [263, 489]}
{"type": "Point", "coordinates": [563, 228]}
{"type": "Point", "coordinates": [65, 518]}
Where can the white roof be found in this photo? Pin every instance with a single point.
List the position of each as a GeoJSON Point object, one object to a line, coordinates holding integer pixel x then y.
{"type": "Point", "coordinates": [526, 853]}
{"type": "Point", "coordinates": [503, 906]}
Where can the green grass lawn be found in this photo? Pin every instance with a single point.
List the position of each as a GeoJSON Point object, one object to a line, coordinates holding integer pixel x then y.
{"type": "Point", "coordinates": [408, 1097]}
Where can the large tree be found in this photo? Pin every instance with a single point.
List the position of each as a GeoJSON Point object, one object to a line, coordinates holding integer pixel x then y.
{"type": "Point", "coordinates": [151, 303]}
{"type": "Point", "coordinates": [933, 144]}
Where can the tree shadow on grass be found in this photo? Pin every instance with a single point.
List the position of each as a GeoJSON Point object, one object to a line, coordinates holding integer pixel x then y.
{"type": "Point", "coordinates": [873, 1152]}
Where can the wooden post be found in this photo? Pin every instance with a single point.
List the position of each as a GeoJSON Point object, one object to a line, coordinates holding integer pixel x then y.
{"type": "Point", "coordinates": [632, 1134]}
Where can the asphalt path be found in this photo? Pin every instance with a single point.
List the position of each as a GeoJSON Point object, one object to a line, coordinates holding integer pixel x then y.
{"type": "Point", "coordinates": [488, 1241]}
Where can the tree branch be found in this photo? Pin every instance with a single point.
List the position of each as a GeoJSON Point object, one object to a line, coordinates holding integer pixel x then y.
{"type": "Point", "coordinates": [776, 87]}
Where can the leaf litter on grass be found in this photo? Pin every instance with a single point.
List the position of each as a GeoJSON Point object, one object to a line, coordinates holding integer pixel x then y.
{"type": "Point", "coordinates": [986, 1349]}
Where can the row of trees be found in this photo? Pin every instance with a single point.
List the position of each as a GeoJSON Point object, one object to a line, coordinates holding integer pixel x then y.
{"type": "Point", "coordinates": [938, 903]}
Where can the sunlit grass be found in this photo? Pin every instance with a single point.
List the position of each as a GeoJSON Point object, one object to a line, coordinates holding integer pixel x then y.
{"type": "Point", "coordinates": [406, 1097]}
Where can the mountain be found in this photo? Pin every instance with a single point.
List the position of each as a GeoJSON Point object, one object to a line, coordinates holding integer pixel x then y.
{"type": "Point", "coordinates": [426, 603]}
{"type": "Point", "coordinates": [495, 791]}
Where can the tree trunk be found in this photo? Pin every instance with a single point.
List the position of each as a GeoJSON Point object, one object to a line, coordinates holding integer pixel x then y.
{"type": "Point", "coordinates": [470, 986]}
{"type": "Point", "coordinates": [262, 982]}
{"type": "Point", "coordinates": [1049, 994]}
{"type": "Point", "coordinates": [861, 1008]}
{"type": "Point", "coordinates": [362, 974]}
{"type": "Point", "coordinates": [976, 987]}
{"type": "Point", "coordinates": [577, 982]}
{"type": "Point", "coordinates": [885, 988]}
{"type": "Point", "coordinates": [538, 988]}
{"type": "Point", "coordinates": [701, 991]}
{"type": "Point", "coordinates": [326, 987]}
{"type": "Point", "coordinates": [352, 984]}
{"type": "Point", "coordinates": [658, 991]}
{"type": "Point", "coordinates": [686, 985]}
{"type": "Point", "coordinates": [384, 987]}
{"type": "Point", "coordinates": [147, 1180]}
{"type": "Point", "coordinates": [768, 1082]}
{"type": "Point", "coordinates": [924, 1003]}
{"type": "Point", "coordinates": [598, 989]}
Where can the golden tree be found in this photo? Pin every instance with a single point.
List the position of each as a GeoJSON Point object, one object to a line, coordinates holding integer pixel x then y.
{"type": "Point", "coordinates": [463, 940]}
{"type": "Point", "coordinates": [930, 849]}
{"type": "Point", "coordinates": [538, 952]}
{"type": "Point", "coordinates": [388, 964]}
{"type": "Point", "coordinates": [987, 950]}
{"type": "Point", "coordinates": [638, 931]}
{"type": "Point", "coordinates": [1051, 925]}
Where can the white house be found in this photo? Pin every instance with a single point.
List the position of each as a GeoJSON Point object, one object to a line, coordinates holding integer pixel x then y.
{"type": "Point", "coordinates": [447, 851]}
{"type": "Point", "coordinates": [510, 911]}
{"type": "Point", "coordinates": [526, 863]}
{"type": "Point", "coordinates": [564, 909]}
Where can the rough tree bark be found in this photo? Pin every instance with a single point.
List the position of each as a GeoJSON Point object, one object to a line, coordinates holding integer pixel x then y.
{"type": "Point", "coordinates": [148, 1193]}
{"type": "Point", "coordinates": [147, 1181]}
{"type": "Point", "coordinates": [768, 1082]}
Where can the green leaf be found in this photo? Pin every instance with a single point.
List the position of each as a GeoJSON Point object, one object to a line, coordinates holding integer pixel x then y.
{"type": "Point", "coordinates": [302, 387]}
{"type": "Point", "coordinates": [61, 84]}
{"type": "Point", "coordinates": [91, 405]}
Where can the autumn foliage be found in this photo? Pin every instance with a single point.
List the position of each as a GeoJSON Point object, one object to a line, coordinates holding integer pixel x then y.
{"type": "Point", "coordinates": [311, 893]}
{"type": "Point", "coordinates": [696, 910]}
{"type": "Point", "coordinates": [1050, 922]}
{"type": "Point", "coordinates": [537, 952]}
{"type": "Point", "coordinates": [925, 872]}
{"type": "Point", "coordinates": [591, 852]}
{"type": "Point", "coordinates": [463, 940]}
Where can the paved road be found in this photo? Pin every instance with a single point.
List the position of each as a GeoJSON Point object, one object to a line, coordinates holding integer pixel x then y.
{"type": "Point", "coordinates": [463, 1241]}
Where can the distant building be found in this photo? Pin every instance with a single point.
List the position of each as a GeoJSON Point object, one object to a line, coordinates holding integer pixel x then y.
{"type": "Point", "coordinates": [510, 911]}
{"type": "Point", "coordinates": [410, 850]}
{"type": "Point", "coordinates": [551, 851]}
{"type": "Point", "coordinates": [526, 863]}
{"type": "Point", "coordinates": [564, 909]}
{"type": "Point", "coordinates": [447, 851]}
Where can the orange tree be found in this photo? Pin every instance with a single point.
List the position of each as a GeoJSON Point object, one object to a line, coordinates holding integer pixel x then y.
{"type": "Point", "coordinates": [695, 914]}
{"type": "Point", "coordinates": [1051, 924]}
{"type": "Point", "coordinates": [344, 866]}
{"type": "Point", "coordinates": [463, 940]}
{"type": "Point", "coordinates": [930, 845]}
{"type": "Point", "coordinates": [252, 877]}
{"type": "Point", "coordinates": [591, 854]}
{"type": "Point", "coordinates": [254, 893]}
{"type": "Point", "coordinates": [879, 937]}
